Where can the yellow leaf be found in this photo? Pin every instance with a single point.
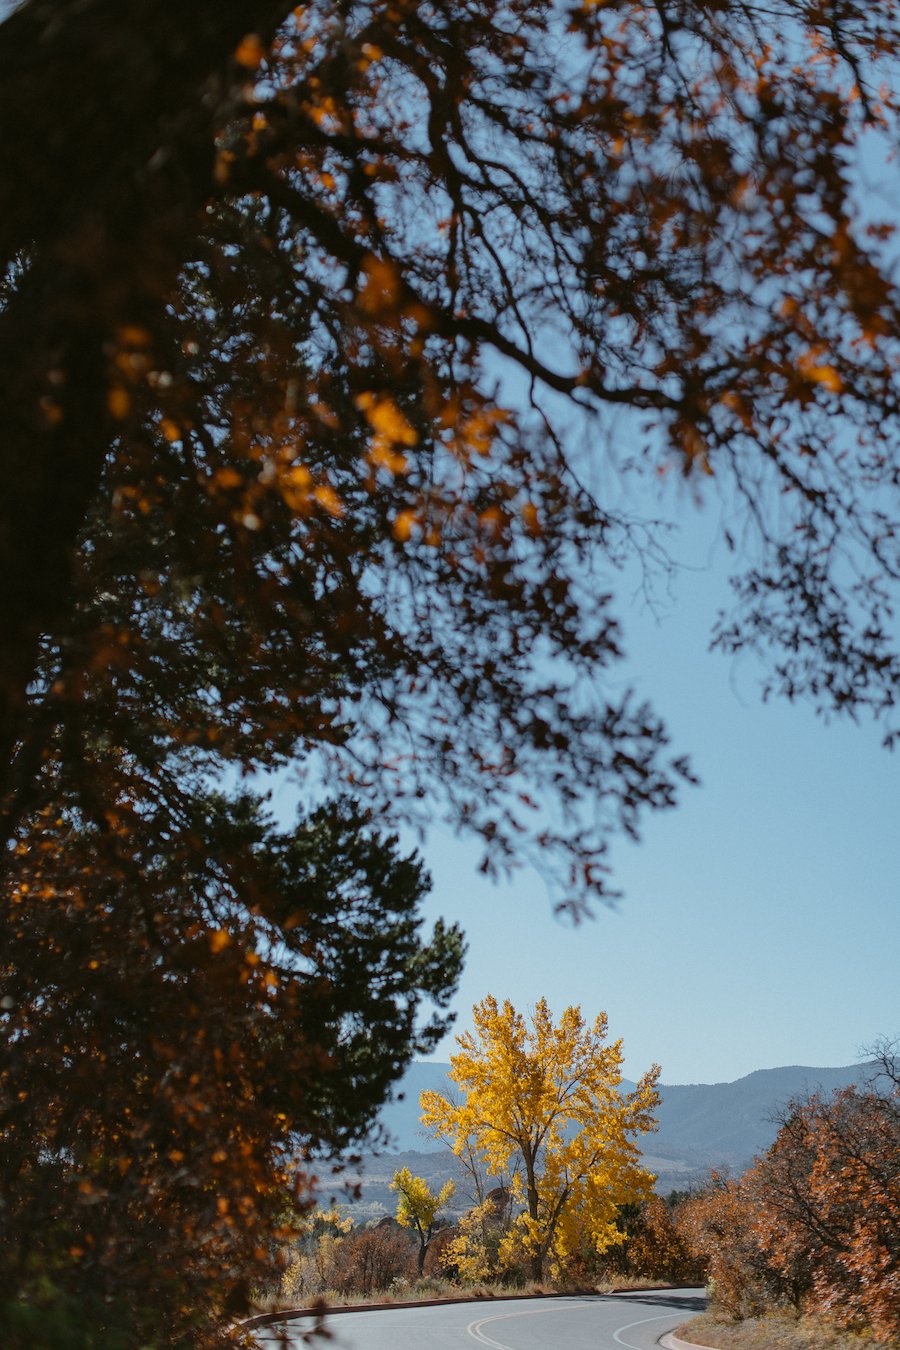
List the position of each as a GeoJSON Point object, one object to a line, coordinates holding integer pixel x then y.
{"type": "Point", "coordinates": [384, 456]}
{"type": "Point", "coordinates": [491, 519]}
{"type": "Point", "coordinates": [296, 487]}
{"type": "Point", "coordinates": [386, 419]}
{"type": "Point", "coordinates": [323, 111]}
{"type": "Point", "coordinates": [219, 940]}
{"type": "Point", "coordinates": [299, 477]}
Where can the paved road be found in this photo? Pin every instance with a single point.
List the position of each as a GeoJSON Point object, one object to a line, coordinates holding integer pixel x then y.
{"type": "Point", "coordinates": [597, 1322]}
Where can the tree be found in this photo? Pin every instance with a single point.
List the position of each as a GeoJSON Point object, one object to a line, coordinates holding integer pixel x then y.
{"type": "Point", "coordinates": [269, 278]}
{"type": "Point", "coordinates": [102, 193]}
{"type": "Point", "coordinates": [176, 1075]}
{"type": "Point", "coordinates": [472, 1252]}
{"type": "Point", "coordinates": [418, 1207]}
{"type": "Point", "coordinates": [654, 1246]}
{"type": "Point", "coordinates": [370, 1259]}
{"type": "Point", "coordinates": [425, 202]}
{"type": "Point", "coordinates": [311, 1261]}
{"type": "Point", "coordinates": [550, 1096]}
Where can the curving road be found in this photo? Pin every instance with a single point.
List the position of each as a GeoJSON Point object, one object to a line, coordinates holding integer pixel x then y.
{"type": "Point", "coordinates": [576, 1322]}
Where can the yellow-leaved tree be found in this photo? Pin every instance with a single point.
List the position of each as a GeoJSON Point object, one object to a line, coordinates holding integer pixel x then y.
{"type": "Point", "coordinates": [418, 1207]}
{"type": "Point", "coordinates": [549, 1096]}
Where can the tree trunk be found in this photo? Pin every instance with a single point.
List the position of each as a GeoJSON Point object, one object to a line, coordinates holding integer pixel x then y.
{"type": "Point", "coordinates": [537, 1257]}
{"type": "Point", "coordinates": [108, 112]}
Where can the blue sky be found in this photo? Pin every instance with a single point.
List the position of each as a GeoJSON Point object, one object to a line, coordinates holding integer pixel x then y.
{"type": "Point", "coordinates": [760, 921]}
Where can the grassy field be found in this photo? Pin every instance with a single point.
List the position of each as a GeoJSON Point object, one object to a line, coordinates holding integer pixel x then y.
{"type": "Point", "coordinates": [777, 1332]}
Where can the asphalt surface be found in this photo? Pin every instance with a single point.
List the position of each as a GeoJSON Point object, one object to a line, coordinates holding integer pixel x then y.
{"type": "Point", "coordinates": [577, 1322]}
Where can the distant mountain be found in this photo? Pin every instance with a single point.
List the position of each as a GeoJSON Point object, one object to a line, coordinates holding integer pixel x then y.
{"type": "Point", "coordinates": [710, 1124]}
{"type": "Point", "coordinates": [701, 1125]}
{"type": "Point", "coordinates": [400, 1117]}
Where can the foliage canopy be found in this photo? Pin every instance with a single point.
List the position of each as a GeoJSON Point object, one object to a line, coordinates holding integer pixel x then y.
{"type": "Point", "coordinates": [814, 1224]}
{"type": "Point", "coordinates": [293, 381]}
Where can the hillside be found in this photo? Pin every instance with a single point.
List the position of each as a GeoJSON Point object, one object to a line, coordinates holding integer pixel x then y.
{"type": "Point", "coordinates": [711, 1124]}
{"type": "Point", "coordinates": [701, 1125]}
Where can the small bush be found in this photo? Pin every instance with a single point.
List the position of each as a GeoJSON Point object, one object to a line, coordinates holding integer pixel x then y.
{"type": "Point", "coordinates": [372, 1259]}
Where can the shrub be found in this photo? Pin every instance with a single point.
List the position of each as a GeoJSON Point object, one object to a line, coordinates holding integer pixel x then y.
{"type": "Point", "coordinates": [371, 1259]}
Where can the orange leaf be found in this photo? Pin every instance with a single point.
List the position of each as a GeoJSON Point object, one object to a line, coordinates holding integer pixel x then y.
{"type": "Point", "coordinates": [403, 526]}
{"type": "Point", "coordinates": [227, 478]}
{"type": "Point", "coordinates": [820, 374]}
{"type": "Point", "coordinates": [250, 52]}
{"type": "Point", "coordinates": [382, 286]}
{"type": "Point", "coordinates": [329, 500]}
{"type": "Point", "coordinates": [118, 401]}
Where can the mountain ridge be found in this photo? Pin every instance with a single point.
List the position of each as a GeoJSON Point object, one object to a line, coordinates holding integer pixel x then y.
{"type": "Point", "coordinates": [701, 1125]}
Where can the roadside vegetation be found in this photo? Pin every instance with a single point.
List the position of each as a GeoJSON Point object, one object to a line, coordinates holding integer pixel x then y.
{"type": "Point", "coordinates": [804, 1248]}
{"type": "Point", "coordinates": [337, 1262]}
{"type": "Point", "coordinates": [774, 1331]}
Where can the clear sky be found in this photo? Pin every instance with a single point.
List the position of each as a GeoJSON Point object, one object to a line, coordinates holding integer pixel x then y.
{"type": "Point", "coordinates": [761, 923]}
{"type": "Point", "coordinates": [761, 920]}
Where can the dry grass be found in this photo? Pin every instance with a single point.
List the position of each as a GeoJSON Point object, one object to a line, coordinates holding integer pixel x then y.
{"type": "Point", "coordinates": [777, 1331]}
{"type": "Point", "coordinates": [431, 1288]}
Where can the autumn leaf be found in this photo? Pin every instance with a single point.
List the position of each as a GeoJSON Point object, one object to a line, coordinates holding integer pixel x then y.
{"type": "Point", "coordinates": [381, 287]}
{"type": "Point", "coordinates": [219, 940]}
{"type": "Point", "coordinates": [819, 372]}
{"type": "Point", "coordinates": [250, 52]}
{"type": "Point", "coordinates": [404, 525]}
{"type": "Point", "coordinates": [329, 500]}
